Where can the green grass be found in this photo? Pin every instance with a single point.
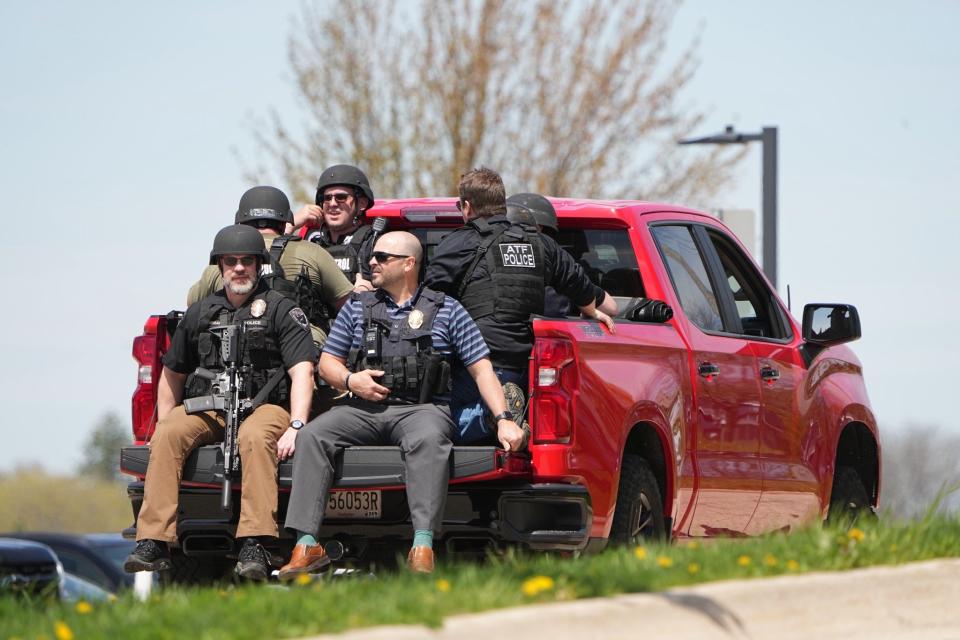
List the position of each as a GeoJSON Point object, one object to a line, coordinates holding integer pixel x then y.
{"type": "Point", "coordinates": [515, 579]}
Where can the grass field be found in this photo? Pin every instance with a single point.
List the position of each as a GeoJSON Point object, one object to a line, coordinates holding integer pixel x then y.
{"type": "Point", "coordinates": [328, 605]}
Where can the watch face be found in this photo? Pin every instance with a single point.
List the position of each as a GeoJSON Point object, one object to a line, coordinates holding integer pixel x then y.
{"type": "Point", "coordinates": [296, 425]}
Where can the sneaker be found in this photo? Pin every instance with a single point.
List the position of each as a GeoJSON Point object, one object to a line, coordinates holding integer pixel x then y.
{"type": "Point", "coordinates": [148, 555]}
{"type": "Point", "coordinates": [254, 561]}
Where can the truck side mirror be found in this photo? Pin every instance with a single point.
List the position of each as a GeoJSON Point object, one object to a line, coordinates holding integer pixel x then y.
{"type": "Point", "coordinates": [648, 310]}
{"type": "Point", "coordinates": [830, 324]}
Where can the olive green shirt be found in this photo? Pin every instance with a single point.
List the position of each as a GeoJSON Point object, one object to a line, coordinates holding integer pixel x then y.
{"type": "Point", "coordinates": [321, 269]}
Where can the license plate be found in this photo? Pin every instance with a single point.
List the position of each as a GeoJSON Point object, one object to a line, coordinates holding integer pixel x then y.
{"type": "Point", "coordinates": [354, 504]}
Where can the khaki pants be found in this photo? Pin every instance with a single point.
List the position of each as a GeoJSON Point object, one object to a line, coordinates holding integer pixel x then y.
{"type": "Point", "coordinates": [180, 433]}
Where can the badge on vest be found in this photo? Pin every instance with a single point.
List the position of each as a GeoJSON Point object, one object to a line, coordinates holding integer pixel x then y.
{"type": "Point", "coordinates": [415, 319]}
{"type": "Point", "coordinates": [258, 308]}
{"type": "Point", "coordinates": [517, 254]}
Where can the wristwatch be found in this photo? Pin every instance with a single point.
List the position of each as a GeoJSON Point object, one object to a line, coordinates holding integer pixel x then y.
{"type": "Point", "coordinates": [506, 415]}
{"type": "Point", "coordinates": [296, 425]}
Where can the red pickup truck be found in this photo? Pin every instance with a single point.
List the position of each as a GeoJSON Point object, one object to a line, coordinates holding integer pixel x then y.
{"type": "Point", "coordinates": [708, 413]}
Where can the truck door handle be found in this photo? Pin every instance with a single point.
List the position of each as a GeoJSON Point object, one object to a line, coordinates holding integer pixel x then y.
{"type": "Point", "coordinates": [708, 370]}
{"type": "Point", "coordinates": [769, 374]}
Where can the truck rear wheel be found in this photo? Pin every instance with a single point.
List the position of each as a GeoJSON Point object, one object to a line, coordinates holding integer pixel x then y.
{"type": "Point", "coordinates": [849, 501]}
{"type": "Point", "coordinates": [639, 512]}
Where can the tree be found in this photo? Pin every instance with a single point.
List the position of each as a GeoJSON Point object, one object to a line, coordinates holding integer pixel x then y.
{"type": "Point", "coordinates": [101, 453]}
{"type": "Point", "coordinates": [561, 97]}
{"type": "Point", "coordinates": [917, 466]}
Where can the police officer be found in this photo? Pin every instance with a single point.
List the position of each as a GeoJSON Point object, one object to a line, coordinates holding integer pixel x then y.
{"type": "Point", "coordinates": [343, 197]}
{"type": "Point", "coordinates": [275, 341]}
{"type": "Point", "coordinates": [533, 208]}
{"type": "Point", "coordinates": [391, 348]}
{"type": "Point", "coordinates": [302, 271]}
{"type": "Point", "coordinates": [498, 271]}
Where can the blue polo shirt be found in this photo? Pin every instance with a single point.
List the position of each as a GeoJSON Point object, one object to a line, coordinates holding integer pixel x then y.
{"type": "Point", "coordinates": [454, 331]}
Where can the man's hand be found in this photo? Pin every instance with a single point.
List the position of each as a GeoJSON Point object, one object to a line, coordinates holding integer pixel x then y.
{"type": "Point", "coordinates": [310, 215]}
{"type": "Point", "coordinates": [363, 384]}
{"type": "Point", "coordinates": [287, 444]}
{"type": "Point", "coordinates": [509, 434]}
{"type": "Point", "coordinates": [362, 285]}
{"type": "Point", "coordinates": [605, 319]}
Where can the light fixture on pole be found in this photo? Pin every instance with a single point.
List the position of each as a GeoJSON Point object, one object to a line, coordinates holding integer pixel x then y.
{"type": "Point", "coordinates": [768, 136]}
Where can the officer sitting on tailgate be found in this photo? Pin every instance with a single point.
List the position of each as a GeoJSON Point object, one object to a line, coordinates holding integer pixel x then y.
{"type": "Point", "coordinates": [498, 272]}
{"type": "Point", "coordinates": [302, 271]}
{"type": "Point", "coordinates": [275, 341]}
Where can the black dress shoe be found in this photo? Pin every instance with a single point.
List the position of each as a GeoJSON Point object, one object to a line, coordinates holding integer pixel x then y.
{"type": "Point", "coordinates": [149, 555]}
{"type": "Point", "coordinates": [254, 561]}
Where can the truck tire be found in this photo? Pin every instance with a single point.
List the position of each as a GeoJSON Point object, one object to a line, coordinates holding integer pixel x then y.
{"type": "Point", "coordinates": [639, 512]}
{"type": "Point", "coordinates": [849, 501]}
{"type": "Point", "coordinates": [189, 570]}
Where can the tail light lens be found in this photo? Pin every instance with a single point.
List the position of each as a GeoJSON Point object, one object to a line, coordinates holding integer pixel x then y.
{"type": "Point", "coordinates": [147, 355]}
{"type": "Point", "coordinates": [556, 380]}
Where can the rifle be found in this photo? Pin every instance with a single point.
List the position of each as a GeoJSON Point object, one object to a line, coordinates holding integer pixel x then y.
{"type": "Point", "coordinates": [225, 395]}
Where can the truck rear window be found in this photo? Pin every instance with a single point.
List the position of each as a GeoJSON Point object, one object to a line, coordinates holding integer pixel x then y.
{"type": "Point", "coordinates": [607, 257]}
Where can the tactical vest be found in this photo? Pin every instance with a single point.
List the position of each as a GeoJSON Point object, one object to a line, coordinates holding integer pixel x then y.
{"type": "Point", "coordinates": [512, 288]}
{"type": "Point", "coordinates": [259, 350]}
{"type": "Point", "coordinates": [346, 255]}
{"type": "Point", "coordinates": [304, 293]}
{"type": "Point", "coordinates": [413, 370]}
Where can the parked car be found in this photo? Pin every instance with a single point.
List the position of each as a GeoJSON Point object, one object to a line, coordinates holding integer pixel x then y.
{"type": "Point", "coordinates": [96, 557]}
{"type": "Point", "coordinates": [28, 568]}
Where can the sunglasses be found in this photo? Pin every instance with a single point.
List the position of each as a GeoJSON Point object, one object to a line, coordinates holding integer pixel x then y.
{"type": "Point", "coordinates": [382, 256]}
{"type": "Point", "coordinates": [231, 261]}
{"type": "Point", "coordinates": [339, 197]}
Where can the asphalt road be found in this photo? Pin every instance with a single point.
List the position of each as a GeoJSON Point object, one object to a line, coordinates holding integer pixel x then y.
{"type": "Point", "coordinates": [920, 600]}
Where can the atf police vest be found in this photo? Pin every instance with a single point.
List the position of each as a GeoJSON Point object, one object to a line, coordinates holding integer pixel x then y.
{"type": "Point", "coordinates": [259, 349]}
{"type": "Point", "coordinates": [403, 348]}
{"type": "Point", "coordinates": [346, 255]}
{"type": "Point", "coordinates": [512, 288]}
{"type": "Point", "coordinates": [304, 293]}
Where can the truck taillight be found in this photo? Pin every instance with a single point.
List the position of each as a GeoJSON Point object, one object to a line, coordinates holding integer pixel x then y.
{"type": "Point", "coordinates": [557, 380]}
{"type": "Point", "coordinates": [145, 395]}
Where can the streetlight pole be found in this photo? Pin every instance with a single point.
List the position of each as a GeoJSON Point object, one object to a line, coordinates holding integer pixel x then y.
{"type": "Point", "coordinates": [768, 137]}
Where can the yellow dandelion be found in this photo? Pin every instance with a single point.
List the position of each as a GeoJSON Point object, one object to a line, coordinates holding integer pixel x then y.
{"type": "Point", "coordinates": [303, 579]}
{"type": "Point", "coordinates": [641, 553]}
{"type": "Point", "coordinates": [443, 586]}
{"type": "Point", "coordinates": [537, 584]}
{"type": "Point", "coordinates": [793, 565]}
{"type": "Point", "coordinates": [856, 535]}
{"type": "Point", "coordinates": [664, 561]}
{"type": "Point", "coordinates": [62, 631]}
{"type": "Point", "coordinates": [693, 568]}
{"type": "Point", "coordinates": [770, 560]}
{"type": "Point", "coordinates": [744, 561]}
{"type": "Point", "coordinates": [83, 607]}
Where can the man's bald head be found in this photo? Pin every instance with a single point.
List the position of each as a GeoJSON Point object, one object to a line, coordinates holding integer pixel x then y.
{"type": "Point", "coordinates": [400, 243]}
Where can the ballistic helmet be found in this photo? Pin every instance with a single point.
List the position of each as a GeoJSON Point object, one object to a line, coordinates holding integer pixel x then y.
{"type": "Point", "coordinates": [263, 203]}
{"type": "Point", "coordinates": [239, 240]}
{"type": "Point", "coordinates": [345, 175]}
{"type": "Point", "coordinates": [536, 205]}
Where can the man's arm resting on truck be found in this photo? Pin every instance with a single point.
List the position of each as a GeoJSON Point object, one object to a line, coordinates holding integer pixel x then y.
{"type": "Point", "coordinates": [508, 432]}
{"type": "Point", "coordinates": [301, 394]}
{"type": "Point", "coordinates": [169, 391]}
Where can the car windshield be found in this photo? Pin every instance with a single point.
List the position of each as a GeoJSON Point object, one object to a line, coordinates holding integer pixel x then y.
{"type": "Point", "coordinates": [113, 549]}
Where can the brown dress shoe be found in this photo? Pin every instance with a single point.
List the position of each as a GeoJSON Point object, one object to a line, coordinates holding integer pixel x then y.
{"type": "Point", "coordinates": [420, 560]}
{"type": "Point", "coordinates": [305, 559]}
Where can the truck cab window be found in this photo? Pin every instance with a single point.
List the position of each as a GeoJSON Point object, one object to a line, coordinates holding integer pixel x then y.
{"type": "Point", "coordinates": [689, 275]}
{"type": "Point", "coordinates": [607, 257]}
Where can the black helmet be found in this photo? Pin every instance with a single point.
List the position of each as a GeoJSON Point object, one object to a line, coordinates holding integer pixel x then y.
{"type": "Point", "coordinates": [263, 203]}
{"type": "Point", "coordinates": [347, 176]}
{"type": "Point", "coordinates": [238, 239]}
{"type": "Point", "coordinates": [543, 212]}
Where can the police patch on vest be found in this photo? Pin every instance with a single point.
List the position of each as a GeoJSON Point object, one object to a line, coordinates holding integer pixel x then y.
{"type": "Point", "coordinates": [344, 264]}
{"type": "Point", "coordinates": [258, 308]}
{"type": "Point", "coordinates": [517, 254]}
{"type": "Point", "coordinates": [299, 317]}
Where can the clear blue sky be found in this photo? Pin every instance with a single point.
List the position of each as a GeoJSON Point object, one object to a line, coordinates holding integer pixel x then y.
{"type": "Point", "coordinates": [119, 123]}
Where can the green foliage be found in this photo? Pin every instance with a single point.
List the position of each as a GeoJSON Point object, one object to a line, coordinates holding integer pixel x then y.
{"type": "Point", "coordinates": [32, 500]}
{"type": "Point", "coordinates": [101, 453]}
{"type": "Point", "coordinates": [330, 605]}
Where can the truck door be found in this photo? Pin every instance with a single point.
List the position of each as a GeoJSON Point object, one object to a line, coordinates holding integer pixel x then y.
{"type": "Point", "coordinates": [727, 389]}
{"type": "Point", "coordinates": [788, 437]}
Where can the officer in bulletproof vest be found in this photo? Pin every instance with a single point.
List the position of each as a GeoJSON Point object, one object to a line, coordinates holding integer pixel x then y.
{"type": "Point", "coordinates": [532, 209]}
{"type": "Point", "coordinates": [498, 271]}
{"type": "Point", "coordinates": [302, 271]}
{"type": "Point", "coordinates": [390, 348]}
{"type": "Point", "coordinates": [337, 222]}
{"type": "Point", "coordinates": [274, 358]}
